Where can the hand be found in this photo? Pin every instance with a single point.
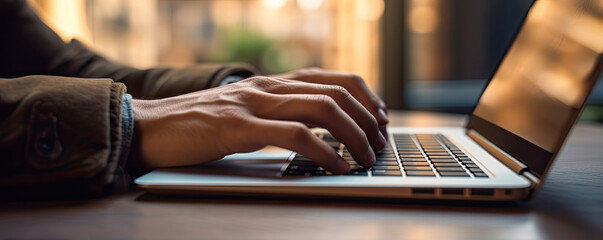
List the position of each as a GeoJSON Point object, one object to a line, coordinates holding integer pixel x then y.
{"type": "Point", "coordinates": [351, 82]}
{"type": "Point", "coordinates": [251, 114]}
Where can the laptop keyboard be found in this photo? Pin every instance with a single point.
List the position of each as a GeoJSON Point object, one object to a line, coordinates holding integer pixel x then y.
{"type": "Point", "coordinates": [414, 155]}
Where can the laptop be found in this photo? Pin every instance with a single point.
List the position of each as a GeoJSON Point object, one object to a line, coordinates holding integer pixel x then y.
{"type": "Point", "coordinates": [502, 154]}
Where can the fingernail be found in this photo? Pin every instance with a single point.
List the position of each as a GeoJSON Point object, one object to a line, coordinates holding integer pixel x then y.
{"type": "Point", "coordinates": [371, 159]}
{"type": "Point", "coordinates": [383, 115]}
{"type": "Point", "coordinates": [382, 141]}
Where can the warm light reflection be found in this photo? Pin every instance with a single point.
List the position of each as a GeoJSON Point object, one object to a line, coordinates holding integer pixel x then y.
{"type": "Point", "coordinates": [587, 30]}
{"type": "Point", "coordinates": [369, 10]}
{"type": "Point", "coordinates": [545, 76]}
{"type": "Point", "coordinates": [309, 5]}
{"type": "Point", "coordinates": [68, 16]}
{"type": "Point", "coordinates": [423, 18]}
{"type": "Point", "coordinates": [273, 4]}
{"type": "Point", "coordinates": [274, 35]}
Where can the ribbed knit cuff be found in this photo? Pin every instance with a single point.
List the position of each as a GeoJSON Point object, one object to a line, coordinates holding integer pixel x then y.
{"type": "Point", "coordinates": [127, 127]}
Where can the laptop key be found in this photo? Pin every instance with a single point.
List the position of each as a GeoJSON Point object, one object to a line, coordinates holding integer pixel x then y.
{"type": "Point", "coordinates": [386, 163]}
{"type": "Point", "coordinates": [434, 145]}
{"type": "Point", "coordinates": [415, 164]}
{"type": "Point", "coordinates": [438, 154]}
{"type": "Point", "coordinates": [404, 159]}
{"type": "Point", "coordinates": [450, 169]}
{"type": "Point", "coordinates": [414, 150]}
{"type": "Point", "coordinates": [434, 149]}
{"type": "Point", "coordinates": [473, 165]}
{"type": "Point", "coordinates": [378, 172]}
{"type": "Point", "coordinates": [405, 143]}
{"type": "Point", "coordinates": [417, 168]}
{"type": "Point", "coordinates": [444, 161]}
{"type": "Point", "coordinates": [411, 147]}
{"type": "Point", "coordinates": [386, 167]}
{"type": "Point", "coordinates": [408, 149]}
{"type": "Point", "coordinates": [446, 164]}
{"type": "Point", "coordinates": [420, 173]}
{"type": "Point", "coordinates": [405, 153]}
{"type": "Point", "coordinates": [438, 150]}
{"type": "Point", "coordinates": [480, 175]}
{"type": "Point", "coordinates": [408, 143]}
{"type": "Point", "coordinates": [454, 174]}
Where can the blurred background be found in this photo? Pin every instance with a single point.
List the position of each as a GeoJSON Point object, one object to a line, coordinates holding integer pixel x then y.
{"type": "Point", "coordinates": [416, 54]}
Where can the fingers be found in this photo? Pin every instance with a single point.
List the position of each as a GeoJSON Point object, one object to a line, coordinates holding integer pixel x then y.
{"type": "Point", "coordinates": [322, 110]}
{"type": "Point", "coordinates": [346, 101]}
{"type": "Point", "coordinates": [297, 137]}
{"type": "Point", "coordinates": [356, 86]}
{"type": "Point", "coordinates": [353, 83]}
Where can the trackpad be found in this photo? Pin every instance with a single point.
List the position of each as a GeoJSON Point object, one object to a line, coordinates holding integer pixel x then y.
{"type": "Point", "coordinates": [263, 163]}
{"type": "Point", "coordinates": [266, 153]}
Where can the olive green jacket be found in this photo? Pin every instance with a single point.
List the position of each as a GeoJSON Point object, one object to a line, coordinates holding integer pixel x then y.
{"type": "Point", "coordinates": [60, 107]}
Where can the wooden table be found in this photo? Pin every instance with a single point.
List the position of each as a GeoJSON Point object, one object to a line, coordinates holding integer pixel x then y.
{"type": "Point", "coordinates": [568, 207]}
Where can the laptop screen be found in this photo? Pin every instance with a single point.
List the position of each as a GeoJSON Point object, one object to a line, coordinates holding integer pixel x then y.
{"type": "Point", "coordinates": [541, 85]}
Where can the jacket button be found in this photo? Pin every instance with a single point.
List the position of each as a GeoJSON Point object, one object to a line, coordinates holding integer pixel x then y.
{"type": "Point", "coordinates": [47, 143]}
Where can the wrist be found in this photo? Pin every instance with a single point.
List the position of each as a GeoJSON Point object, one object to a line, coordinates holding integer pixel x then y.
{"type": "Point", "coordinates": [137, 165]}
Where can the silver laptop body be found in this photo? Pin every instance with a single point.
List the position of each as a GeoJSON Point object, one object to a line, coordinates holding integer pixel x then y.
{"type": "Point", "coordinates": [503, 153]}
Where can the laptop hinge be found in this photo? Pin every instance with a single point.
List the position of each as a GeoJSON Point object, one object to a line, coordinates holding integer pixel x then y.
{"type": "Point", "coordinates": [532, 178]}
{"type": "Point", "coordinates": [508, 160]}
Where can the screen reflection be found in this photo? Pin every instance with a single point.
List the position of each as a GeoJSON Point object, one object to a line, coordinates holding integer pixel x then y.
{"type": "Point", "coordinates": [546, 76]}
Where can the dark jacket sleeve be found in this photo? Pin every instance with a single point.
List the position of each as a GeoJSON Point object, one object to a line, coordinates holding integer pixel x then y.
{"type": "Point", "coordinates": [78, 61]}
{"type": "Point", "coordinates": [59, 135]}
{"type": "Point", "coordinates": [29, 47]}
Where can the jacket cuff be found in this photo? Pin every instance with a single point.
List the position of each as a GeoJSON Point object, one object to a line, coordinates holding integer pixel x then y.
{"type": "Point", "coordinates": [64, 138]}
{"type": "Point", "coordinates": [234, 69]}
{"type": "Point", "coordinates": [116, 129]}
{"type": "Point", "coordinates": [117, 176]}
